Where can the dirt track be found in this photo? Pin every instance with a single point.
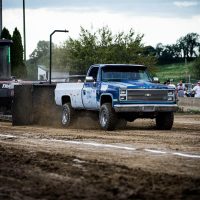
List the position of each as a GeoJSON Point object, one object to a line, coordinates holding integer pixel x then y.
{"type": "Point", "coordinates": [87, 163]}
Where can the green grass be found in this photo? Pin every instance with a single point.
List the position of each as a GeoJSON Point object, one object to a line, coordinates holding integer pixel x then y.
{"type": "Point", "coordinates": [176, 72]}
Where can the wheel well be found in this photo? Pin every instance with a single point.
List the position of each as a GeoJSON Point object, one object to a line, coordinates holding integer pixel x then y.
{"type": "Point", "coordinates": [65, 99]}
{"type": "Point", "coordinates": [106, 99]}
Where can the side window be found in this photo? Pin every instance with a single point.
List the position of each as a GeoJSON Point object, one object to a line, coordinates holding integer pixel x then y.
{"type": "Point", "coordinates": [93, 72]}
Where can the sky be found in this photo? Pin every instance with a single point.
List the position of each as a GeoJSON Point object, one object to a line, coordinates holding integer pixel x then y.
{"type": "Point", "coordinates": [161, 21]}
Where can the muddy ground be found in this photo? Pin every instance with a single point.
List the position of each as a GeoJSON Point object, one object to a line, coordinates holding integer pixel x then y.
{"type": "Point", "coordinates": [140, 162]}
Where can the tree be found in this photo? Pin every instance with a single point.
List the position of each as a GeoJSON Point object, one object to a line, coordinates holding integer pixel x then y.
{"type": "Point", "coordinates": [41, 54]}
{"type": "Point", "coordinates": [159, 49]}
{"type": "Point", "coordinates": [101, 46]}
{"type": "Point", "coordinates": [5, 34]}
{"type": "Point", "coordinates": [193, 42]}
{"type": "Point", "coordinates": [149, 50]}
{"type": "Point", "coordinates": [104, 47]}
{"type": "Point", "coordinates": [189, 45]}
{"type": "Point", "coordinates": [82, 52]}
{"type": "Point", "coordinates": [186, 48]}
{"type": "Point", "coordinates": [176, 50]}
{"type": "Point", "coordinates": [18, 68]}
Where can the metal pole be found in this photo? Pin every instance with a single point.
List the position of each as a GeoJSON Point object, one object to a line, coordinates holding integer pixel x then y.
{"type": "Point", "coordinates": [50, 61]}
{"type": "Point", "coordinates": [24, 24]}
{"type": "Point", "coordinates": [50, 57]}
{"type": "Point", "coordinates": [1, 17]}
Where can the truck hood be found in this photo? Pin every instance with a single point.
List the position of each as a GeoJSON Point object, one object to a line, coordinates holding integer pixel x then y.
{"type": "Point", "coordinates": [138, 85]}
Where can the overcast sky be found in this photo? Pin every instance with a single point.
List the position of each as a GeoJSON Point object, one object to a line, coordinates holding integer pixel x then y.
{"type": "Point", "coordinates": [162, 21]}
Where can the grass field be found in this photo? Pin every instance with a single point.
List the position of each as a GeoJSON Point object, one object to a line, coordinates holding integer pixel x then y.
{"type": "Point", "coordinates": [177, 72]}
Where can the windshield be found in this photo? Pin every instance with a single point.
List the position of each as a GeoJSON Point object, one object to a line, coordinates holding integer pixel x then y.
{"type": "Point", "coordinates": [124, 73]}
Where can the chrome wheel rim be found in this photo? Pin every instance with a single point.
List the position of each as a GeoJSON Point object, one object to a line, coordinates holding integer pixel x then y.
{"type": "Point", "coordinates": [103, 118]}
{"type": "Point", "coordinates": [64, 117]}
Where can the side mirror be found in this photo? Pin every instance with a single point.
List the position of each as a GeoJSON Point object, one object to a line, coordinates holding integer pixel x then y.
{"type": "Point", "coordinates": [155, 79]}
{"type": "Point", "coordinates": [89, 79]}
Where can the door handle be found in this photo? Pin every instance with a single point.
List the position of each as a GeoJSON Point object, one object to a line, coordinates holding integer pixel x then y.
{"type": "Point", "coordinates": [84, 92]}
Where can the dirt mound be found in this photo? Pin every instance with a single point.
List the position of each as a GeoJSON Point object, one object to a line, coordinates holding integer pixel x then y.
{"type": "Point", "coordinates": [139, 162]}
{"type": "Point", "coordinates": [39, 175]}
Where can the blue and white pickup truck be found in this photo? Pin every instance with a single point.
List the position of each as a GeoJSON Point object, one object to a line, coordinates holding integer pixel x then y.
{"type": "Point", "coordinates": [119, 93]}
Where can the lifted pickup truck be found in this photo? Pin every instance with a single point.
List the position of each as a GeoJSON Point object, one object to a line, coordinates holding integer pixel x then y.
{"type": "Point", "coordinates": [119, 93]}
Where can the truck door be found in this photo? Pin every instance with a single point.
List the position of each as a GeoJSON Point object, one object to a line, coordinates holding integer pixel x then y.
{"type": "Point", "coordinates": [89, 92]}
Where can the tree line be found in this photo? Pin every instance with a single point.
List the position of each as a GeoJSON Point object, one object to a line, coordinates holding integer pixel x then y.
{"type": "Point", "coordinates": [102, 46]}
{"type": "Point", "coordinates": [187, 48]}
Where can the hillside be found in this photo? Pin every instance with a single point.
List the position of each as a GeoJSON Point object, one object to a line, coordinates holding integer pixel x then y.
{"type": "Point", "coordinates": [180, 71]}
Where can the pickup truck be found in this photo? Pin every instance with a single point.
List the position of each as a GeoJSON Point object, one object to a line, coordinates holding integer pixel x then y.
{"type": "Point", "coordinates": [119, 93]}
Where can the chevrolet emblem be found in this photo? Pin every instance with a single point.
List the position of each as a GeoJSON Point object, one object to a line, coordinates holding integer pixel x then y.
{"type": "Point", "coordinates": [147, 95]}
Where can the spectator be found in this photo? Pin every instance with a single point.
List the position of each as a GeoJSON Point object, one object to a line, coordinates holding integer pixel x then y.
{"type": "Point", "coordinates": [170, 84]}
{"type": "Point", "coordinates": [180, 89]}
{"type": "Point", "coordinates": [196, 89]}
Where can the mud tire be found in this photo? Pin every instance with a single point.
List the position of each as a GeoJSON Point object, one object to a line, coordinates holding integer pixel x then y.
{"type": "Point", "coordinates": [107, 117]}
{"type": "Point", "coordinates": [165, 120]}
{"type": "Point", "coordinates": [67, 115]}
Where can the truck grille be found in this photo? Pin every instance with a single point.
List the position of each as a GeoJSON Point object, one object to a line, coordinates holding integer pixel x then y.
{"type": "Point", "coordinates": [147, 95]}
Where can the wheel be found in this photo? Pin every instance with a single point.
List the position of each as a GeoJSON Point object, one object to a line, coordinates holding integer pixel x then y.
{"type": "Point", "coordinates": [165, 120]}
{"type": "Point", "coordinates": [107, 117]}
{"type": "Point", "coordinates": [67, 115]}
{"type": "Point", "coordinates": [121, 124]}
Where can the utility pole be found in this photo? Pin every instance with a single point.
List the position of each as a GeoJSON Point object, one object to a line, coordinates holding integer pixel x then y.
{"type": "Point", "coordinates": [24, 26]}
{"type": "Point", "coordinates": [1, 17]}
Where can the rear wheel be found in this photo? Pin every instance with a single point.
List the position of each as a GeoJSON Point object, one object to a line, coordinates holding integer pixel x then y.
{"type": "Point", "coordinates": [107, 117]}
{"type": "Point", "coordinates": [67, 115]}
{"type": "Point", "coordinates": [165, 120]}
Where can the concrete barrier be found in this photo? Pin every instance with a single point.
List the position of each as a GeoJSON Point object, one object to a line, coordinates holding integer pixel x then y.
{"type": "Point", "coordinates": [189, 104]}
{"type": "Point", "coordinates": [34, 104]}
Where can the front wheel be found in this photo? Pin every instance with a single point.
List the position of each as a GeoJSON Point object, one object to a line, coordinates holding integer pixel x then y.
{"type": "Point", "coordinates": [164, 121]}
{"type": "Point", "coordinates": [67, 115]}
{"type": "Point", "coordinates": [107, 117]}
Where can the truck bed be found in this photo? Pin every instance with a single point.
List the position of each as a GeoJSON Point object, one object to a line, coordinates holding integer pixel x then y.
{"type": "Point", "coordinates": [74, 90]}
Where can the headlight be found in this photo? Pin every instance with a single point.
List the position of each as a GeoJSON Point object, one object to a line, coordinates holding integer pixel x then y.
{"type": "Point", "coordinates": [122, 98]}
{"type": "Point", "coordinates": [122, 95]}
{"type": "Point", "coordinates": [170, 98]}
{"type": "Point", "coordinates": [122, 91]}
{"type": "Point", "coordinates": [170, 95]}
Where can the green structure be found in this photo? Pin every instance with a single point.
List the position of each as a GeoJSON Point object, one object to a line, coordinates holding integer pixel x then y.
{"type": "Point", "coordinates": [5, 68]}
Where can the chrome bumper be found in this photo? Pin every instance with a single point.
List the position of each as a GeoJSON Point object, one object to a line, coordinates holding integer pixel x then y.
{"type": "Point", "coordinates": [145, 108]}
